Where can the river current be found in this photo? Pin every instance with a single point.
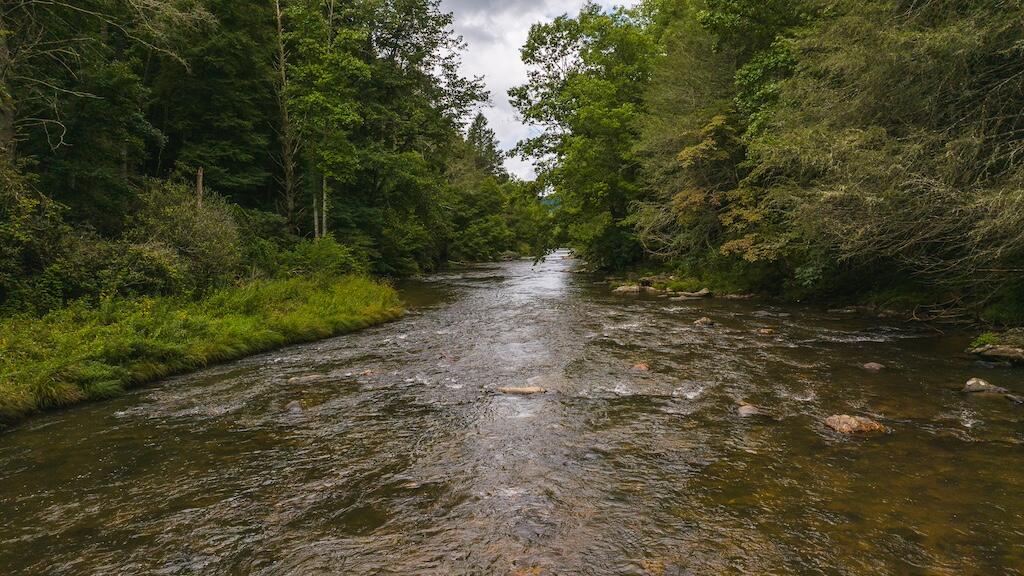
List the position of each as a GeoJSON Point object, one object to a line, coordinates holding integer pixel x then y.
{"type": "Point", "coordinates": [391, 451]}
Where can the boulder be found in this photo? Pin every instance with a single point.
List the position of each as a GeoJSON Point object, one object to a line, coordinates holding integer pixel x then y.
{"type": "Point", "coordinates": [705, 293]}
{"type": "Point", "coordinates": [997, 352]}
{"type": "Point", "coordinates": [522, 391]}
{"type": "Point", "coordinates": [295, 407]}
{"type": "Point", "coordinates": [627, 289]}
{"type": "Point", "coordinates": [705, 321]}
{"type": "Point", "coordinates": [979, 386]}
{"type": "Point", "coordinates": [642, 367]}
{"type": "Point", "coordinates": [874, 367]}
{"type": "Point", "coordinates": [845, 424]}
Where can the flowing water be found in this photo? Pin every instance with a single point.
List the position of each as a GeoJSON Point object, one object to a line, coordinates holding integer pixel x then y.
{"type": "Point", "coordinates": [405, 459]}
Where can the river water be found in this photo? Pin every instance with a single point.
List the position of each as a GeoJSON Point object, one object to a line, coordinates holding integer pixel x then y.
{"type": "Point", "coordinates": [405, 459]}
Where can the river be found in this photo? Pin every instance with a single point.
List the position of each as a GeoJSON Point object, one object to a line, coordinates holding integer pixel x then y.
{"type": "Point", "coordinates": [405, 459]}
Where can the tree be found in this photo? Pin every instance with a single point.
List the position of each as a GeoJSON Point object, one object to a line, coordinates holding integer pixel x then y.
{"type": "Point", "coordinates": [585, 91]}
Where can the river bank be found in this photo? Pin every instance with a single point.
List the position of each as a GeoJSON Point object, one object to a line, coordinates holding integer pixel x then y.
{"type": "Point", "coordinates": [80, 353]}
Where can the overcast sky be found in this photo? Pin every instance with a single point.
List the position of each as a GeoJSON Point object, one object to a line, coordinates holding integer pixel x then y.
{"type": "Point", "coordinates": [494, 31]}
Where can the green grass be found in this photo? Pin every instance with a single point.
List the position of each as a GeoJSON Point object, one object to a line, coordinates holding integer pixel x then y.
{"type": "Point", "coordinates": [80, 353]}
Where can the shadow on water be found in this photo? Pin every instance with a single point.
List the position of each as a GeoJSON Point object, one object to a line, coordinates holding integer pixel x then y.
{"type": "Point", "coordinates": [391, 451]}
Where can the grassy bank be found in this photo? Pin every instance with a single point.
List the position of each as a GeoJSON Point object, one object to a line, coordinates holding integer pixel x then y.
{"type": "Point", "coordinates": [81, 353]}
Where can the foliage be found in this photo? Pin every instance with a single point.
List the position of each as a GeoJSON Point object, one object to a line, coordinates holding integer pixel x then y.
{"type": "Point", "coordinates": [202, 232]}
{"type": "Point", "coordinates": [815, 147]}
{"type": "Point", "coordinates": [585, 90]}
{"type": "Point", "coordinates": [323, 255]}
{"type": "Point", "coordinates": [82, 353]}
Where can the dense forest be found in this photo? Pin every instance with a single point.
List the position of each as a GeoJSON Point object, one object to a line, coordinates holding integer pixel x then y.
{"type": "Point", "coordinates": [155, 148]}
{"type": "Point", "coordinates": [805, 148]}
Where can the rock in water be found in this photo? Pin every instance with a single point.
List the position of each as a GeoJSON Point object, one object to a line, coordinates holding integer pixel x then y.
{"type": "Point", "coordinates": [628, 289]}
{"type": "Point", "coordinates": [295, 407]}
{"type": "Point", "coordinates": [642, 367]}
{"type": "Point", "coordinates": [704, 322]}
{"type": "Point", "coordinates": [845, 424]}
{"type": "Point", "coordinates": [522, 391]}
{"type": "Point", "coordinates": [1000, 353]}
{"type": "Point", "coordinates": [874, 367]}
{"type": "Point", "coordinates": [979, 386]}
{"type": "Point", "coordinates": [749, 411]}
{"type": "Point", "coordinates": [766, 331]}
{"type": "Point", "coordinates": [704, 293]}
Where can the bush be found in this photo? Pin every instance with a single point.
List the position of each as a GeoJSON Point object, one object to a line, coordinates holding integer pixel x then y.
{"type": "Point", "coordinates": [206, 237]}
{"type": "Point", "coordinates": [322, 256]}
{"type": "Point", "coordinates": [30, 236]}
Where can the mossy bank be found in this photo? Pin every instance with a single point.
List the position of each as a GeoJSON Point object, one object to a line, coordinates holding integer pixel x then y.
{"type": "Point", "coordinates": [84, 353]}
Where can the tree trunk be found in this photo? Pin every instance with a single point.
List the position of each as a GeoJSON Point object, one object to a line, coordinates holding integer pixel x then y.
{"type": "Point", "coordinates": [199, 187]}
{"type": "Point", "coordinates": [323, 213]}
{"type": "Point", "coordinates": [289, 142]}
{"type": "Point", "coordinates": [316, 216]}
{"type": "Point", "coordinates": [7, 135]}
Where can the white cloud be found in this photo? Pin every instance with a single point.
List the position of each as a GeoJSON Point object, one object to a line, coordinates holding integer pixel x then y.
{"type": "Point", "coordinates": [495, 30]}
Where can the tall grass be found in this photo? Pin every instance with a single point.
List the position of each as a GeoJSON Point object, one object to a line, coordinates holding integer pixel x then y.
{"type": "Point", "coordinates": [81, 353]}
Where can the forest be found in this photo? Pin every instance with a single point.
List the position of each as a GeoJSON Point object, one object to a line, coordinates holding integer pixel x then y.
{"type": "Point", "coordinates": [810, 149]}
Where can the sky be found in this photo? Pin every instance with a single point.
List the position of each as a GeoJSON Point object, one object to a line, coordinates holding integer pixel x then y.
{"type": "Point", "coordinates": [494, 31]}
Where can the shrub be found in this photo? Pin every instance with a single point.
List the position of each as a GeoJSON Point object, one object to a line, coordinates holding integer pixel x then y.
{"type": "Point", "coordinates": [206, 237]}
{"type": "Point", "coordinates": [321, 256]}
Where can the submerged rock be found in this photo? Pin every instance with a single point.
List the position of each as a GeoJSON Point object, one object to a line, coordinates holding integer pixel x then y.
{"type": "Point", "coordinates": [766, 331]}
{"type": "Point", "coordinates": [522, 391]}
{"type": "Point", "coordinates": [979, 386]}
{"type": "Point", "coordinates": [705, 321]}
{"type": "Point", "coordinates": [642, 366]}
{"type": "Point", "coordinates": [750, 411]}
{"type": "Point", "coordinates": [874, 367]}
{"type": "Point", "coordinates": [308, 379]}
{"type": "Point", "coordinates": [845, 424]}
{"type": "Point", "coordinates": [295, 407]}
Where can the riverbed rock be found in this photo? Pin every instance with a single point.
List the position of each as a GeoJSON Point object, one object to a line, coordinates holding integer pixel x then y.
{"type": "Point", "coordinates": [766, 331]}
{"type": "Point", "coordinates": [704, 293]}
{"type": "Point", "coordinates": [294, 407]}
{"type": "Point", "coordinates": [704, 322]}
{"type": "Point", "coordinates": [979, 386]}
{"type": "Point", "coordinates": [308, 379]}
{"type": "Point", "coordinates": [738, 296]}
{"type": "Point", "coordinates": [628, 289]}
{"type": "Point", "coordinates": [750, 411]}
{"type": "Point", "coordinates": [1000, 353]}
{"type": "Point", "coordinates": [874, 367]}
{"type": "Point", "coordinates": [846, 424]}
{"type": "Point", "coordinates": [522, 391]}
{"type": "Point", "coordinates": [642, 367]}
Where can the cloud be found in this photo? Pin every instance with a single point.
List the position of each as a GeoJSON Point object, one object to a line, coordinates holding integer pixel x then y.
{"type": "Point", "coordinates": [494, 31]}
